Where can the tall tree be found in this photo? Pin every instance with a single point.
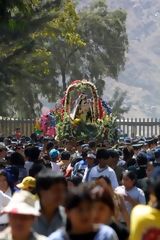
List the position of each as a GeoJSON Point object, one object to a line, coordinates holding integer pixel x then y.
{"type": "Point", "coordinates": [50, 44]}
{"type": "Point", "coordinates": [90, 44]}
{"type": "Point", "coordinates": [24, 64]}
{"type": "Point", "coordinates": [106, 40]}
{"type": "Point", "coordinates": [63, 39]}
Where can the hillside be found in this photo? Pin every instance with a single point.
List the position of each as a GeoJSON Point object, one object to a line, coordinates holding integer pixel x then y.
{"type": "Point", "coordinates": [142, 71]}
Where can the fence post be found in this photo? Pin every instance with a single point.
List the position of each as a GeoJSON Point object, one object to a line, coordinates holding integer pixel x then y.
{"type": "Point", "coordinates": [140, 127]}
{"type": "Point", "coordinates": [152, 129]}
{"type": "Point", "coordinates": [135, 127]}
{"type": "Point", "coordinates": [143, 127]}
{"type": "Point", "coordinates": [132, 128]}
{"type": "Point", "coordinates": [128, 127]}
{"type": "Point", "coordinates": [156, 125]}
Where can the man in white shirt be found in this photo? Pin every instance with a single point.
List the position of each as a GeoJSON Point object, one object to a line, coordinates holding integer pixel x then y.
{"type": "Point", "coordinates": [102, 169]}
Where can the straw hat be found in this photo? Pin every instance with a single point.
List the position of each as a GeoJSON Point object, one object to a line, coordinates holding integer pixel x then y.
{"type": "Point", "coordinates": [28, 182]}
{"type": "Point", "coordinates": [22, 202]}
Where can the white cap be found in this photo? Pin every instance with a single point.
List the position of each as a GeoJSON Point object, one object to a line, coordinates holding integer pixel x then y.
{"type": "Point", "coordinates": [91, 155]}
{"type": "Point", "coordinates": [22, 202]}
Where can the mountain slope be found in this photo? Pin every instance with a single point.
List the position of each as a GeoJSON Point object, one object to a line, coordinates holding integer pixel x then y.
{"type": "Point", "coordinates": [141, 77]}
{"type": "Point", "coordinates": [142, 68]}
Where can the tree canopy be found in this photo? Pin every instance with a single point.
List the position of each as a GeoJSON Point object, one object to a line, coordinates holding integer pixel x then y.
{"type": "Point", "coordinates": [46, 44]}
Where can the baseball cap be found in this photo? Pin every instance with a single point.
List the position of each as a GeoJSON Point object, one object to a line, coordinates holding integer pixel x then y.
{"type": "Point", "coordinates": [91, 155]}
{"type": "Point", "coordinates": [54, 153]}
{"type": "Point", "coordinates": [22, 202]}
{"type": "Point", "coordinates": [28, 182]}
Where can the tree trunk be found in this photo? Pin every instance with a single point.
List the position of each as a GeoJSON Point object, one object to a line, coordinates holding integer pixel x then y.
{"type": "Point", "coordinates": [64, 80]}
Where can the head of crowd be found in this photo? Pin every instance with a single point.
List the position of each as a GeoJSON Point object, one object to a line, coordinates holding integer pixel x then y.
{"type": "Point", "coordinates": [79, 189]}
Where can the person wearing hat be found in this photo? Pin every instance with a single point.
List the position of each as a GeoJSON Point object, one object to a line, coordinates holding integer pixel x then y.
{"type": "Point", "coordinates": [28, 184]}
{"type": "Point", "coordinates": [22, 212]}
{"type": "Point", "coordinates": [54, 155]}
{"type": "Point", "coordinates": [91, 160]}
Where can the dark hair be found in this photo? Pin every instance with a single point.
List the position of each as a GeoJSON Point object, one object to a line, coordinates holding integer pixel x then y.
{"type": "Point", "coordinates": [142, 159]}
{"type": "Point", "coordinates": [130, 174]}
{"type": "Point", "coordinates": [60, 150]}
{"type": "Point", "coordinates": [76, 180]}
{"type": "Point", "coordinates": [34, 137]}
{"type": "Point", "coordinates": [1, 139]}
{"type": "Point", "coordinates": [17, 159]}
{"type": "Point", "coordinates": [65, 155]}
{"type": "Point", "coordinates": [100, 194]}
{"type": "Point", "coordinates": [77, 195]}
{"type": "Point", "coordinates": [35, 169]}
{"type": "Point", "coordinates": [102, 154]}
{"type": "Point", "coordinates": [9, 179]}
{"type": "Point", "coordinates": [101, 145]}
{"type": "Point", "coordinates": [75, 160]}
{"type": "Point", "coordinates": [80, 143]}
{"type": "Point", "coordinates": [92, 144]}
{"type": "Point", "coordinates": [119, 152]}
{"type": "Point", "coordinates": [49, 145]}
{"type": "Point", "coordinates": [128, 153]}
{"type": "Point", "coordinates": [47, 178]}
{"type": "Point", "coordinates": [4, 173]}
{"type": "Point", "coordinates": [74, 198]}
{"type": "Point", "coordinates": [107, 180]}
{"type": "Point", "coordinates": [113, 153]}
{"type": "Point", "coordinates": [85, 152]}
{"type": "Point", "coordinates": [18, 146]}
{"type": "Point", "coordinates": [32, 153]}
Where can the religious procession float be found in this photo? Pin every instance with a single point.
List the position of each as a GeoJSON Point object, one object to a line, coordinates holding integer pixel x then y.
{"type": "Point", "coordinates": [81, 114]}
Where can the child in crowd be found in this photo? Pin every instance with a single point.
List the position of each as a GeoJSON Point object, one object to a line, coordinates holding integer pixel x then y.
{"type": "Point", "coordinates": [105, 206]}
{"type": "Point", "coordinates": [80, 213]}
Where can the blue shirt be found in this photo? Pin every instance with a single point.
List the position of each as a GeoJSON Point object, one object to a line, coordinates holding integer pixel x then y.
{"type": "Point", "coordinates": [43, 227]}
{"type": "Point", "coordinates": [79, 168]}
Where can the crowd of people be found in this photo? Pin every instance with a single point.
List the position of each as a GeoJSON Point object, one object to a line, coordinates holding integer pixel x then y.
{"type": "Point", "coordinates": [79, 190]}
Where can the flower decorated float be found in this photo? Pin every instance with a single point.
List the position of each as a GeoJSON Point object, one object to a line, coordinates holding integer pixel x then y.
{"type": "Point", "coordinates": [81, 114]}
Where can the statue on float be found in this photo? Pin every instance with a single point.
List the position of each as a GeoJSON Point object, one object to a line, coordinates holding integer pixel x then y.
{"type": "Point", "coordinates": [81, 114]}
{"type": "Point", "coordinates": [82, 109]}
